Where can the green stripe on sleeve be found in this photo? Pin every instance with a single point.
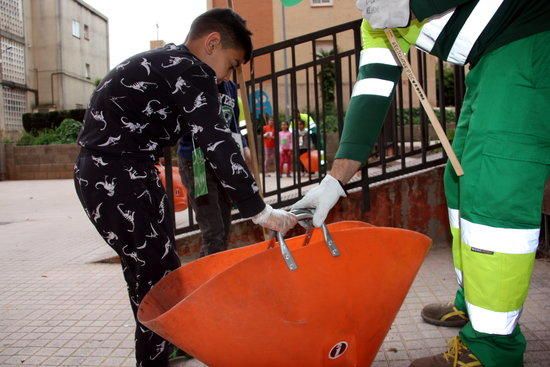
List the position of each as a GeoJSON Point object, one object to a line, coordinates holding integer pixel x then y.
{"type": "Point", "coordinates": [380, 71]}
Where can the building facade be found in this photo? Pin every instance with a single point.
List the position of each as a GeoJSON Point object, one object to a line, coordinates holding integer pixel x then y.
{"type": "Point", "coordinates": [270, 22]}
{"type": "Point", "coordinates": [53, 53]}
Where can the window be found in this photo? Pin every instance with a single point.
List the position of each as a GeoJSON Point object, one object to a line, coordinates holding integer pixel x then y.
{"type": "Point", "coordinates": [86, 32]}
{"type": "Point", "coordinates": [76, 28]}
{"type": "Point", "coordinates": [321, 3]}
{"type": "Point", "coordinates": [87, 71]}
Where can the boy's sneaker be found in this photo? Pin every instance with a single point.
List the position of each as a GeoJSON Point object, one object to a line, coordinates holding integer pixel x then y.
{"type": "Point", "coordinates": [444, 314]}
{"type": "Point", "coordinates": [458, 355]}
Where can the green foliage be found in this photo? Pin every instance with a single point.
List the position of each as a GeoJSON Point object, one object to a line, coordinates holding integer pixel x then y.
{"type": "Point", "coordinates": [65, 133]}
{"type": "Point", "coordinates": [327, 77]}
{"type": "Point", "coordinates": [450, 116]}
{"type": "Point", "coordinates": [35, 122]}
{"type": "Point", "coordinates": [448, 85]}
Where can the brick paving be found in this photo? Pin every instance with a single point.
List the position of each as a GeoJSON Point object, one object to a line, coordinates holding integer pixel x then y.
{"type": "Point", "coordinates": [59, 308]}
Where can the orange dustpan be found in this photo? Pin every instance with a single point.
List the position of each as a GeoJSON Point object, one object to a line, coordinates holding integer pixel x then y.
{"type": "Point", "coordinates": [180, 192]}
{"type": "Point", "coordinates": [313, 165]}
{"type": "Point", "coordinates": [246, 307]}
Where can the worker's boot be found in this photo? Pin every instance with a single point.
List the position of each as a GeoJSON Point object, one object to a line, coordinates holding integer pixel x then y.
{"type": "Point", "coordinates": [458, 355]}
{"type": "Point", "coordinates": [444, 314]}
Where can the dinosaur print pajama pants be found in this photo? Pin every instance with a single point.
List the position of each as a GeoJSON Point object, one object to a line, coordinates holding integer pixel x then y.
{"type": "Point", "coordinates": [125, 201]}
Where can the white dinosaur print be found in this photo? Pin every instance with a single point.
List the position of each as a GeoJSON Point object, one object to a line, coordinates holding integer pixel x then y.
{"type": "Point", "coordinates": [139, 86]}
{"type": "Point", "coordinates": [142, 246]}
{"type": "Point", "coordinates": [122, 65]}
{"type": "Point", "coordinates": [213, 165]}
{"type": "Point", "coordinates": [146, 192]}
{"type": "Point", "coordinates": [115, 99]}
{"type": "Point", "coordinates": [98, 161]}
{"type": "Point", "coordinates": [110, 236]}
{"type": "Point", "coordinates": [195, 129]}
{"type": "Point", "coordinates": [160, 349]}
{"type": "Point", "coordinates": [81, 180]}
{"type": "Point", "coordinates": [237, 168]}
{"type": "Point", "coordinates": [128, 215]}
{"type": "Point", "coordinates": [112, 140]}
{"type": "Point", "coordinates": [176, 60]}
{"type": "Point", "coordinates": [133, 255]}
{"type": "Point", "coordinates": [167, 246]}
{"type": "Point", "coordinates": [225, 128]}
{"type": "Point", "coordinates": [178, 125]}
{"type": "Point", "coordinates": [163, 112]}
{"type": "Point", "coordinates": [255, 187]}
{"type": "Point", "coordinates": [149, 108]}
{"type": "Point", "coordinates": [199, 102]}
{"type": "Point", "coordinates": [151, 145]}
{"type": "Point", "coordinates": [161, 210]}
{"type": "Point", "coordinates": [108, 186]}
{"type": "Point", "coordinates": [153, 234]}
{"type": "Point", "coordinates": [227, 186]}
{"type": "Point", "coordinates": [166, 135]}
{"type": "Point", "coordinates": [134, 174]}
{"type": "Point", "coordinates": [212, 146]}
{"type": "Point", "coordinates": [133, 126]}
{"type": "Point", "coordinates": [104, 85]}
{"type": "Point", "coordinates": [180, 83]}
{"type": "Point", "coordinates": [203, 75]}
{"type": "Point", "coordinates": [96, 215]}
{"type": "Point", "coordinates": [147, 65]}
{"type": "Point", "coordinates": [98, 116]}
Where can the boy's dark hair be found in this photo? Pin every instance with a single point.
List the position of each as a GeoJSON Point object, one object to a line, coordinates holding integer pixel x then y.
{"type": "Point", "coordinates": [230, 25]}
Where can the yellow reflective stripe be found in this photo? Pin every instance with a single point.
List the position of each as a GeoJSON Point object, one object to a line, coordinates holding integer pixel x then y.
{"type": "Point", "coordinates": [432, 29]}
{"type": "Point", "coordinates": [377, 55]}
{"type": "Point", "coordinates": [492, 322]}
{"type": "Point", "coordinates": [504, 240]}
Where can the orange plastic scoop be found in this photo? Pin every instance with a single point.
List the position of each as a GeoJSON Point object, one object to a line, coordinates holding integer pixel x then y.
{"type": "Point", "coordinates": [245, 307]}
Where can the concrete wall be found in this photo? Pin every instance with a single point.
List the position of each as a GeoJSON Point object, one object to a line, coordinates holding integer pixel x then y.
{"type": "Point", "coordinates": [415, 202]}
{"type": "Point", "coordinates": [39, 162]}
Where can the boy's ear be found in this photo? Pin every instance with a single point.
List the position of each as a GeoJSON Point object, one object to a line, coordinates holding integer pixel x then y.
{"type": "Point", "coordinates": [212, 42]}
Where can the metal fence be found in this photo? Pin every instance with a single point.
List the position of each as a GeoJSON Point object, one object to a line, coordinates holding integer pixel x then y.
{"type": "Point", "coordinates": [314, 75]}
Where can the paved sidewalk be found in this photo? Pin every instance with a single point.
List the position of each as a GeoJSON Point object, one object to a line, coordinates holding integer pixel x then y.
{"type": "Point", "coordinates": [58, 308]}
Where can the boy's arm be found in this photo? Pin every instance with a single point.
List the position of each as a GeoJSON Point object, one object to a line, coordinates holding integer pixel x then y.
{"type": "Point", "coordinates": [203, 113]}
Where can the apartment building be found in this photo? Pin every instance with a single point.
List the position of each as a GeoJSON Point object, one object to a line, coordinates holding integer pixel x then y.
{"type": "Point", "coordinates": [53, 52]}
{"type": "Point", "coordinates": [271, 22]}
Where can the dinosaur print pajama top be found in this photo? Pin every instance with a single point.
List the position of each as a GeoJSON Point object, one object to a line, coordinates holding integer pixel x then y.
{"type": "Point", "coordinates": [143, 105]}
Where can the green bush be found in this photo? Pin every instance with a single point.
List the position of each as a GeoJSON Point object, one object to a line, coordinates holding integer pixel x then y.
{"type": "Point", "coordinates": [65, 133]}
{"type": "Point", "coordinates": [35, 122]}
{"type": "Point", "coordinates": [450, 116]}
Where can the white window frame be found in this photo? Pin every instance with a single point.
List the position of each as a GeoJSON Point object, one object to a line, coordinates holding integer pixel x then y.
{"type": "Point", "coordinates": [321, 3]}
{"type": "Point", "coordinates": [76, 28]}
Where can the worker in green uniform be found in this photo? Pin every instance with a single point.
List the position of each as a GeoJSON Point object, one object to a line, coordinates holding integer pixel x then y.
{"type": "Point", "coordinates": [502, 141]}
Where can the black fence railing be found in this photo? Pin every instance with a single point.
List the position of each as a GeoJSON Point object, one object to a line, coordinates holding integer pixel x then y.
{"type": "Point", "coordinates": [311, 78]}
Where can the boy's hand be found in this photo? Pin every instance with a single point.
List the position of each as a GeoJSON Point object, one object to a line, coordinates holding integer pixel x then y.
{"type": "Point", "coordinates": [322, 199]}
{"type": "Point", "coordinates": [275, 219]}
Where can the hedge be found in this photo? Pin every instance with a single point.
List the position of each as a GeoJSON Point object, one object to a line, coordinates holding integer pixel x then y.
{"type": "Point", "coordinates": [34, 122]}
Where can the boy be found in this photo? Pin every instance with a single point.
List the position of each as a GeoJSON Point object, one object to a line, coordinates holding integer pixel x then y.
{"type": "Point", "coordinates": [213, 209]}
{"type": "Point", "coordinates": [147, 103]}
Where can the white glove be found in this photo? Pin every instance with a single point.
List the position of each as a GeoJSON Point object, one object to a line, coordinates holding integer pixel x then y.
{"type": "Point", "coordinates": [385, 13]}
{"type": "Point", "coordinates": [322, 199]}
{"type": "Point", "coordinates": [275, 219]}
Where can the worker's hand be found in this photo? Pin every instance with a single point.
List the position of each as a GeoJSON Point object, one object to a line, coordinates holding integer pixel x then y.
{"type": "Point", "coordinates": [385, 13]}
{"type": "Point", "coordinates": [322, 199]}
{"type": "Point", "coordinates": [275, 219]}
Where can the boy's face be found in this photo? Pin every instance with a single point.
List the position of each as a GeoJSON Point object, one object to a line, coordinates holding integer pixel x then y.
{"type": "Point", "coordinates": [224, 61]}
